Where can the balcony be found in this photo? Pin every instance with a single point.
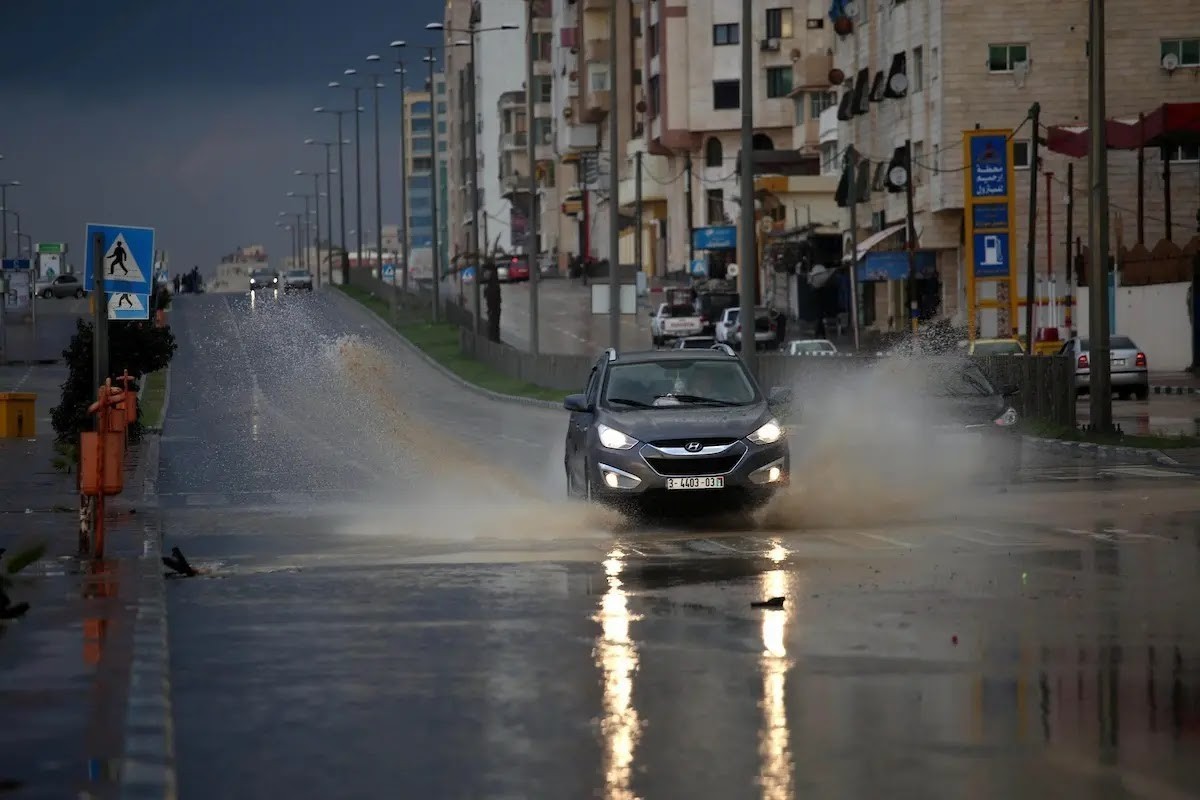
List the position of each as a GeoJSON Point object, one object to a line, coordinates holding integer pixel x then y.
{"type": "Point", "coordinates": [828, 126]}
{"type": "Point", "coordinates": [812, 72]}
{"type": "Point", "coordinates": [579, 137]}
{"type": "Point", "coordinates": [652, 190]}
{"type": "Point", "coordinates": [511, 101]}
{"type": "Point", "coordinates": [514, 184]}
{"type": "Point", "coordinates": [597, 51]}
{"type": "Point", "coordinates": [513, 141]}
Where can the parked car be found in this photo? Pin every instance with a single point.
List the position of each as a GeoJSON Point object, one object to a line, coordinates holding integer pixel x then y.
{"type": "Point", "coordinates": [62, 286]}
{"type": "Point", "coordinates": [766, 336]}
{"type": "Point", "coordinates": [674, 319]}
{"type": "Point", "coordinates": [1129, 365]}
{"type": "Point", "coordinates": [518, 269]}
{"type": "Point", "coordinates": [811, 347]}
{"type": "Point", "coordinates": [725, 324]}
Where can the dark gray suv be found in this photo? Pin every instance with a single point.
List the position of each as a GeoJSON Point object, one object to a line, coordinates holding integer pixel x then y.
{"type": "Point", "coordinates": [672, 430]}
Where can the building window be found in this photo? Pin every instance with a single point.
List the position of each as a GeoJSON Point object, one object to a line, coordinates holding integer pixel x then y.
{"type": "Point", "coordinates": [441, 128]}
{"type": "Point", "coordinates": [779, 81]}
{"type": "Point", "coordinates": [637, 77]}
{"type": "Point", "coordinates": [1005, 57]}
{"type": "Point", "coordinates": [635, 24]}
{"type": "Point", "coordinates": [725, 34]}
{"type": "Point", "coordinates": [822, 101]}
{"type": "Point", "coordinates": [441, 108]}
{"type": "Point", "coordinates": [714, 153]}
{"type": "Point", "coordinates": [1186, 50]}
{"type": "Point", "coordinates": [420, 182]}
{"type": "Point", "coordinates": [726, 95]}
{"type": "Point", "coordinates": [542, 46]}
{"type": "Point", "coordinates": [442, 147]}
{"type": "Point", "coordinates": [543, 130]}
{"type": "Point", "coordinates": [597, 77]}
{"type": "Point", "coordinates": [421, 223]}
{"type": "Point", "coordinates": [652, 95]}
{"type": "Point", "coordinates": [1184, 154]}
{"type": "Point", "coordinates": [715, 211]}
{"type": "Point", "coordinates": [1021, 154]}
{"type": "Point", "coordinates": [918, 69]}
{"type": "Point", "coordinates": [779, 23]}
{"type": "Point", "coordinates": [420, 109]}
{"type": "Point", "coordinates": [652, 40]}
{"type": "Point", "coordinates": [422, 164]}
{"type": "Point", "coordinates": [543, 89]}
{"type": "Point", "coordinates": [798, 102]}
{"type": "Point", "coordinates": [422, 125]}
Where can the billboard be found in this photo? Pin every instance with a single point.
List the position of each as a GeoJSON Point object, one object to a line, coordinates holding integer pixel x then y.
{"type": "Point", "coordinates": [989, 215]}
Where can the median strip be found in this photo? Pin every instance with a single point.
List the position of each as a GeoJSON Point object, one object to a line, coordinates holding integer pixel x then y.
{"type": "Point", "coordinates": [440, 342]}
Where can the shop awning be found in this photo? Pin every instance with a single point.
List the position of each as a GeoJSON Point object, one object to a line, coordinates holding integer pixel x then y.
{"type": "Point", "coordinates": [871, 241]}
{"type": "Point", "coordinates": [1169, 124]}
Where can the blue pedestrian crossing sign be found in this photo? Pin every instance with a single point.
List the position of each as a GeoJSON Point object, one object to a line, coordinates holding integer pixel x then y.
{"type": "Point", "coordinates": [389, 272]}
{"type": "Point", "coordinates": [126, 305]}
{"type": "Point", "coordinates": [128, 262]}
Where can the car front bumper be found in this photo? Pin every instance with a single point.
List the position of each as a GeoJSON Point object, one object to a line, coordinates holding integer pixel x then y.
{"type": "Point", "coordinates": [1124, 378]}
{"type": "Point", "coordinates": [258, 287]}
{"type": "Point", "coordinates": [749, 474]}
{"type": "Point", "coordinates": [297, 287]}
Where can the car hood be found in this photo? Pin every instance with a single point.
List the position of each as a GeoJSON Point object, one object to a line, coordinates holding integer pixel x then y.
{"type": "Point", "coordinates": [978, 410]}
{"type": "Point", "coordinates": [683, 422]}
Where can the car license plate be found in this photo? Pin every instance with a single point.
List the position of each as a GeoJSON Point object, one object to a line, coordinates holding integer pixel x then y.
{"type": "Point", "coordinates": [1118, 362]}
{"type": "Point", "coordinates": [713, 482]}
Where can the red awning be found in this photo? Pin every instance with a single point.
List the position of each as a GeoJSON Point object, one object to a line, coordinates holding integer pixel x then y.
{"type": "Point", "coordinates": [1169, 124]}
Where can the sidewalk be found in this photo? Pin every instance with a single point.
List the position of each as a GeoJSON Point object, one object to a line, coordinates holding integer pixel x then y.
{"type": "Point", "coordinates": [1174, 383]}
{"type": "Point", "coordinates": [66, 664]}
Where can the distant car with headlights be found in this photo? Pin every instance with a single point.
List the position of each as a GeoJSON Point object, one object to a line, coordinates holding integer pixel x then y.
{"type": "Point", "coordinates": [297, 280]}
{"type": "Point", "coordinates": [676, 430]}
{"type": "Point", "coordinates": [263, 279]}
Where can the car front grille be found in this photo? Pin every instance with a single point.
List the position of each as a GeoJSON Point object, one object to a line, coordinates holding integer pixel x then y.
{"type": "Point", "coordinates": [707, 441]}
{"type": "Point", "coordinates": [700, 465]}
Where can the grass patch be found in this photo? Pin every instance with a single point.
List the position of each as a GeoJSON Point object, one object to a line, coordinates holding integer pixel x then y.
{"type": "Point", "coordinates": [1144, 441]}
{"type": "Point", "coordinates": [439, 341]}
{"type": "Point", "coordinates": [153, 398]}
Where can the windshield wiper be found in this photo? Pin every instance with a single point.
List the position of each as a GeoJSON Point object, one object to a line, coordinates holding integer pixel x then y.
{"type": "Point", "coordinates": [625, 401]}
{"type": "Point", "coordinates": [693, 398]}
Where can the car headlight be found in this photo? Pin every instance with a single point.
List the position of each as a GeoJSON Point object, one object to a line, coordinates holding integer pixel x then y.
{"type": "Point", "coordinates": [770, 433]}
{"type": "Point", "coordinates": [252, 280]}
{"type": "Point", "coordinates": [274, 280]}
{"type": "Point", "coordinates": [613, 439]}
{"type": "Point", "coordinates": [1007, 419]}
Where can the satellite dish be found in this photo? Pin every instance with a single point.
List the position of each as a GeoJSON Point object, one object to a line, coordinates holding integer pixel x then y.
{"type": "Point", "coordinates": [898, 176]}
{"type": "Point", "coordinates": [1170, 62]}
{"type": "Point", "coordinates": [836, 76]}
{"type": "Point", "coordinates": [731, 271]}
{"type": "Point", "coordinates": [898, 83]}
{"type": "Point", "coordinates": [850, 9]}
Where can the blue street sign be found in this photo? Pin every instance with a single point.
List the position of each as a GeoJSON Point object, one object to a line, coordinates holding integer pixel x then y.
{"type": "Point", "coordinates": [715, 237]}
{"type": "Point", "coordinates": [699, 267]}
{"type": "Point", "coordinates": [389, 271]}
{"type": "Point", "coordinates": [17, 263]}
{"type": "Point", "coordinates": [126, 305]}
{"type": "Point", "coordinates": [989, 166]}
{"type": "Point", "coordinates": [991, 255]}
{"type": "Point", "coordinates": [128, 265]}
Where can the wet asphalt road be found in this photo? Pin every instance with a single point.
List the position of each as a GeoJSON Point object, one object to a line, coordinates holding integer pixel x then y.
{"type": "Point", "coordinates": [398, 608]}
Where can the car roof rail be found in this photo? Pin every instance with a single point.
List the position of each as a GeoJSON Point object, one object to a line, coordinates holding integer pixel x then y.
{"type": "Point", "coordinates": [611, 353]}
{"type": "Point", "coordinates": [723, 348]}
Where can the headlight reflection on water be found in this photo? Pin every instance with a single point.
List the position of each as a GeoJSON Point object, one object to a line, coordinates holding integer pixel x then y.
{"type": "Point", "coordinates": [617, 658]}
{"type": "Point", "coordinates": [774, 745]}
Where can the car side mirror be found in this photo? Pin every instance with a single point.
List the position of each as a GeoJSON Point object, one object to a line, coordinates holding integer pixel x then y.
{"type": "Point", "coordinates": [576, 402]}
{"type": "Point", "coordinates": [1010, 390]}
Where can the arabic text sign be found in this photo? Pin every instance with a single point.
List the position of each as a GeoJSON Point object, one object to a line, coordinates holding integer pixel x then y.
{"type": "Point", "coordinates": [989, 166]}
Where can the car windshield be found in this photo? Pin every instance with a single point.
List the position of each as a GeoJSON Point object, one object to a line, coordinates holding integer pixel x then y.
{"type": "Point", "coordinates": [695, 344]}
{"type": "Point", "coordinates": [261, 274]}
{"type": "Point", "coordinates": [956, 380]}
{"type": "Point", "coordinates": [298, 273]}
{"type": "Point", "coordinates": [996, 348]}
{"type": "Point", "coordinates": [798, 348]}
{"type": "Point", "coordinates": [1114, 343]}
{"type": "Point", "coordinates": [675, 382]}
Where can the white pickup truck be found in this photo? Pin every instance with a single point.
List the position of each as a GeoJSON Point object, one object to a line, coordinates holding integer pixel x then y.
{"type": "Point", "coordinates": [675, 319]}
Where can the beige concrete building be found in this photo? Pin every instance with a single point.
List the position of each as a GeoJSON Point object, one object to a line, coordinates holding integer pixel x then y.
{"type": "Point", "coordinates": [970, 64]}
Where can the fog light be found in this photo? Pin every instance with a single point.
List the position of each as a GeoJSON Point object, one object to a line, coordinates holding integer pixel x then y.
{"type": "Point", "coordinates": [618, 479]}
{"type": "Point", "coordinates": [771, 473]}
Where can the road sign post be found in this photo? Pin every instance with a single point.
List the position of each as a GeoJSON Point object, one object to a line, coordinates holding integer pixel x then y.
{"type": "Point", "coordinates": [100, 318]}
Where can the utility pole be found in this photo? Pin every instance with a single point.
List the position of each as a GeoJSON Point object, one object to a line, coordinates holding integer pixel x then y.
{"type": "Point", "coordinates": [433, 204]}
{"type": "Point", "coordinates": [316, 176]}
{"type": "Point", "coordinates": [747, 263]}
{"type": "Point", "coordinates": [910, 236]}
{"type": "Point", "coordinates": [690, 211]}
{"type": "Point", "coordinates": [474, 184]}
{"type": "Point", "coordinates": [852, 201]}
{"type": "Point", "coordinates": [1035, 115]}
{"type": "Point", "coordinates": [404, 176]}
{"type": "Point", "coordinates": [637, 204]}
{"type": "Point", "coordinates": [99, 313]}
{"type": "Point", "coordinates": [358, 226]}
{"type": "Point", "coordinates": [342, 203]}
{"type": "Point", "coordinates": [614, 216]}
{"type": "Point", "coordinates": [1069, 262]}
{"type": "Point", "coordinates": [531, 226]}
{"type": "Point", "coordinates": [1100, 390]}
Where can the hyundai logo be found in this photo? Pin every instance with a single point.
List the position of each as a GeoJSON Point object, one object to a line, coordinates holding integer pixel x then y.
{"type": "Point", "coordinates": [693, 447]}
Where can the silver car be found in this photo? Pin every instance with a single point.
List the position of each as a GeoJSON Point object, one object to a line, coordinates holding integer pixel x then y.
{"type": "Point", "coordinates": [1130, 373]}
{"type": "Point", "coordinates": [68, 285]}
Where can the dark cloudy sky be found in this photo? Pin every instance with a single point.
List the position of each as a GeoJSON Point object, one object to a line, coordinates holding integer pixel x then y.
{"type": "Point", "coordinates": [188, 117]}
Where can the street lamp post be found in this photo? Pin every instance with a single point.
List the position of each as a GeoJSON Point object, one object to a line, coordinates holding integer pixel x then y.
{"type": "Point", "coordinates": [4, 185]}
{"type": "Point", "coordinates": [328, 205]}
{"type": "Point", "coordinates": [358, 226]}
{"type": "Point", "coordinates": [431, 60]}
{"type": "Point", "coordinates": [341, 172]}
{"type": "Point", "coordinates": [291, 235]}
{"type": "Point", "coordinates": [404, 220]}
{"type": "Point", "coordinates": [472, 31]}
{"type": "Point", "coordinates": [303, 230]}
{"type": "Point", "coordinates": [376, 85]}
{"type": "Point", "coordinates": [316, 176]}
{"type": "Point", "coordinates": [531, 225]}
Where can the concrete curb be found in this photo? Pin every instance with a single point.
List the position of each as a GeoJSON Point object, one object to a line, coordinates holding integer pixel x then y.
{"type": "Point", "coordinates": [148, 768]}
{"type": "Point", "coordinates": [1174, 390]}
{"type": "Point", "coordinates": [439, 367]}
{"type": "Point", "coordinates": [1102, 451]}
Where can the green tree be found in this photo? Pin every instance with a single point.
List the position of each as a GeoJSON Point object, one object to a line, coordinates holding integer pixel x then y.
{"type": "Point", "coordinates": [137, 346]}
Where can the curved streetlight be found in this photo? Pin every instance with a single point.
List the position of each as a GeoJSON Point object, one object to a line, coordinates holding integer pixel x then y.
{"type": "Point", "coordinates": [472, 31]}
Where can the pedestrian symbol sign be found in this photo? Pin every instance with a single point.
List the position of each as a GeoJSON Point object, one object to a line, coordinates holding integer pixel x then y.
{"type": "Point", "coordinates": [126, 305]}
{"type": "Point", "coordinates": [125, 266]}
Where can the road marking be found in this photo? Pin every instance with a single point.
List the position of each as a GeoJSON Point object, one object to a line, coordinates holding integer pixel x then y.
{"type": "Point", "coordinates": [889, 540]}
{"type": "Point", "coordinates": [1149, 472]}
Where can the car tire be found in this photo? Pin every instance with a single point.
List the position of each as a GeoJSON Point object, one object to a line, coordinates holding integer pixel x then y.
{"type": "Point", "coordinates": [589, 494]}
{"type": "Point", "coordinates": [79, 293]}
{"type": "Point", "coordinates": [47, 294]}
{"type": "Point", "coordinates": [1142, 392]}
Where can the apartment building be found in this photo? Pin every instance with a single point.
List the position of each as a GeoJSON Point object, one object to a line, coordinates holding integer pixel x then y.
{"type": "Point", "coordinates": [427, 147]}
{"type": "Point", "coordinates": [972, 64]}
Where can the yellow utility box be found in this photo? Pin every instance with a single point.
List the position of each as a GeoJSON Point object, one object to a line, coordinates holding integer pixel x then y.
{"type": "Point", "coordinates": [18, 418]}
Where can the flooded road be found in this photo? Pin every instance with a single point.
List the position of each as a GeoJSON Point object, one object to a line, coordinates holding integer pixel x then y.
{"type": "Point", "coordinates": [398, 607]}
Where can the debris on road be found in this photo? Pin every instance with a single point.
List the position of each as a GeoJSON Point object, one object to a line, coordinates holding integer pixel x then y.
{"type": "Point", "coordinates": [774, 602]}
{"type": "Point", "coordinates": [177, 563]}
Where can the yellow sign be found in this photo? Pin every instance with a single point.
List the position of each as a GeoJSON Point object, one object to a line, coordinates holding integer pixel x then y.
{"type": "Point", "coordinates": [989, 217]}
